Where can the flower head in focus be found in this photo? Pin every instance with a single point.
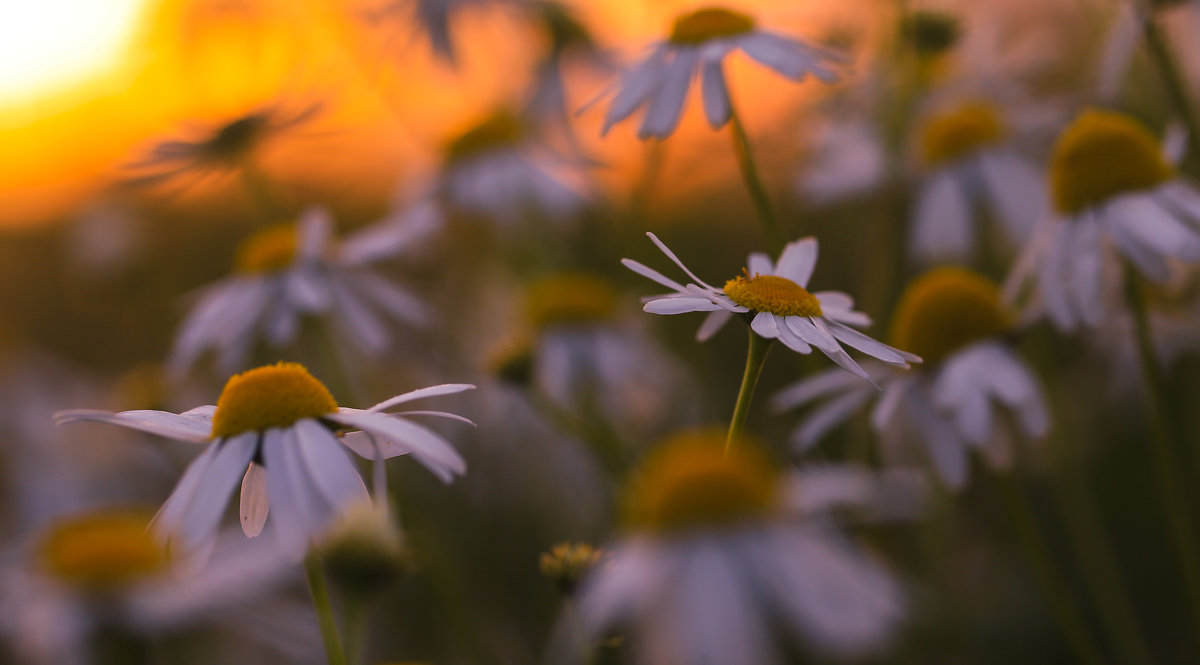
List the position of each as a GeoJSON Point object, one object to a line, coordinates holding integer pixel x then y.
{"type": "Point", "coordinates": [724, 560]}
{"type": "Point", "coordinates": [276, 430]}
{"type": "Point", "coordinates": [974, 392]}
{"type": "Point", "coordinates": [1114, 194]}
{"type": "Point", "coordinates": [774, 297]}
{"type": "Point", "coordinates": [698, 44]}
{"type": "Point", "coordinates": [288, 272]}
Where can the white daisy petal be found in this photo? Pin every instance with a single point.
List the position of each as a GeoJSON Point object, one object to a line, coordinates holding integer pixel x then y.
{"type": "Point", "coordinates": [828, 416]}
{"type": "Point", "coordinates": [422, 393]}
{"type": "Point", "coordinates": [434, 452]}
{"type": "Point", "coordinates": [680, 306]}
{"type": "Point", "coordinates": [764, 325]}
{"type": "Point", "coordinates": [162, 423]}
{"type": "Point", "coordinates": [717, 106]}
{"type": "Point", "coordinates": [254, 503]}
{"type": "Point", "coordinates": [817, 386]}
{"type": "Point", "coordinates": [328, 464]}
{"type": "Point", "coordinates": [675, 259]}
{"type": "Point", "coordinates": [797, 261]}
{"type": "Point", "coordinates": [712, 323]}
{"type": "Point", "coordinates": [857, 340]}
{"type": "Point", "coordinates": [666, 106]}
{"type": "Point", "coordinates": [651, 273]}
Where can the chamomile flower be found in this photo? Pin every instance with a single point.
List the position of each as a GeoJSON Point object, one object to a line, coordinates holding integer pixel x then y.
{"type": "Point", "coordinates": [725, 562]}
{"type": "Point", "coordinates": [1114, 193]}
{"type": "Point", "coordinates": [971, 170]}
{"type": "Point", "coordinates": [275, 430]}
{"type": "Point", "coordinates": [698, 44]}
{"type": "Point", "coordinates": [288, 272]}
{"type": "Point", "coordinates": [87, 574]}
{"type": "Point", "coordinates": [435, 17]}
{"type": "Point", "coordinates": [222, 149]}
{"type": "Point", "coordinates": [775, 298]}
{"type": "Point", "coordinates": [590, 357]}
{"type": "Point", "coordinates": [499, 169]}
{"type": "Point", "coordinates": [974, 392]}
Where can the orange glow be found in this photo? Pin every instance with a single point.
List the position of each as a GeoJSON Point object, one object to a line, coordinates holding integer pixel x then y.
{"type": "Point", "coordinates": [387, 104]}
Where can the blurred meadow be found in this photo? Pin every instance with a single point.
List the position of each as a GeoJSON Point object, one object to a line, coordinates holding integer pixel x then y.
{"type": "Point", "coordinates": [985, 454]}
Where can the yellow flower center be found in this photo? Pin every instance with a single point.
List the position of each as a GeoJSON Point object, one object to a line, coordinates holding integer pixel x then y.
{"type": "Point", "coordinates": [500, 129]}
{"type": "Point", "coordinates": [272, 396]}
{"type": "Point", "coordinates": [959, 132]}
{"type": "Point", "coordinates": [688, 482]}
{"type": "Point", "coordinates": [945, 310]}
{"type": "Point", "coordinates": [268, 250]}
{"type": "Point", "coordinates": [770, 293]}
{"type": "Point", "coordinates": [569, 299]}
{"type": "Point", "coordinates": [1101, 155]}
{"type": "Point", "coordinates": [710, 23]}
{"type": "Point", "coordinates": [102, 551]}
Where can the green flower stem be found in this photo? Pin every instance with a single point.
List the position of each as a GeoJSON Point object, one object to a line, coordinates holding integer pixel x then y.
{"type": "Point", "coordinates": [756, 354]}
{"type": "Point", "coordinates": [320, 598]}
{"type": "Point", "coordinates": [604, 443]}
{"type": "Point", "coordinates": [754, 184]}
{"type": "Point", "coordinates": [1160, 52]}
{"type": "Point", "coordinates": [1097, 561]}
{"type": "Point", "coordinates": [1162, 441]}
{"type": "Point", "coordinates": [1061, 604]}
{"type": "Point", "coordinates": [355, 616]}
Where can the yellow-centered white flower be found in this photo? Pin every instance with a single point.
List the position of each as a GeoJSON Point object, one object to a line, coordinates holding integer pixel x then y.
{"type": "Point", "coordinates": [275, 429]}
{"type": "Point", "coordinates": [698, 44]}
{"type": "Point", "coordinates": [776, 298]}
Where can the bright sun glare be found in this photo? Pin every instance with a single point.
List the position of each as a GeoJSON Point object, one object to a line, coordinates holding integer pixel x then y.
{"type": "Point", "coordinates": [50, 44]}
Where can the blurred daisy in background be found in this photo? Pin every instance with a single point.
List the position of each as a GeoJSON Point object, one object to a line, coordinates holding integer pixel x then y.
{"type": "Point", "coordinates": [224, 149]}
{"type": "Point", "coordinates": [1115, 194]}
{"type": "Point", "coordinates": [724, 562]}
{"type": "Point", "coordinates": [972, 173]}
{"type": "Point", "coordinates": [698, 44]}
{"type": "Point", "coordinates": [592, 359]}
{"type": "Point", "coordinates": [96, 586]}
{"type": "Point", "coordinates": [974, 392]}
{"type": "Point", "coordinates": [500, 169]}
{"type": "Point", "coordinates": [275, 429]}
{"type": "Point", "coordinates": [435, 18]}
{"type": "Point", "coordinates": [775, 299]}
{"type": "Point", "coordinates": [287, 273]}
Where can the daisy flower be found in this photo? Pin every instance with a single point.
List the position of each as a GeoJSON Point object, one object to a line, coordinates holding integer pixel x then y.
{"type": "Point", "coordinates": [222, 149]}
{"type": "Point", "coordinates": [1113, 193]}
{"type": "Point", "coordinates": [275, 429]}
{"type": "Point", "coordinates": [434, 18]}
{"type": "Point", "coordinates": [974, 392]}
{"type": "Point", "coordinates": [500, 169]}
{"type": "Point", "coordinates": [698, 45]}
{"type": "Point", "coordinates": [86, 575]}
{"type": "Point", "coordinates": [724, 561]}
{"type": "Point", "coordinates": [587, 355]}
{"type": "Point", "coordinates": [972, 172]}
{"type": "Point", "coordinates": [287, 272]}
{"type": "Point", "coordinates": [774, 297]}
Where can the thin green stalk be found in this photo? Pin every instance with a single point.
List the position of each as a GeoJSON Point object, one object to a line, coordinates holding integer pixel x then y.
{"type": "Point", "coordinates": [756, 354]}
{"type": "Point", "coordinates": [754, 184]}
{"type": "Point", "coordinates": [355, 616]}
{"type": "Point", "coordinates": [1097, 561]}
{"type": "Point", "coordinates": [1162, 442]}
{"type": "Point", "coordinates": [320, 598]}
{"type": "Point", "coordinates": [1057, 594]}
{"type": "Point", "coordinates": [1160, 52]}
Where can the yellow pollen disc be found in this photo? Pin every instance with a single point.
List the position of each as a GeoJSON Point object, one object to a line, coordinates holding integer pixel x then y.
{"type": "Point", "coordinates": [272, 396]}
{"type": "Point", "coordinates": [688, 482]}
{"type": "Point", "coordinates": [945, 310]}
{"type": "Point", "coordinates": [502, 128]}
{"type": "Point", "coordinates": [959, 132]}
{"type": "Point", "coordinates": [570, 299]}
{"type": "Point", "coordinates": [711, 23]}
{"type": "Point", "coordinates": [1101, 155]}
{"type": "Point", "coordinates": [268, 250]}
{"type": "Point", "coordinates": [102, 551]}
{"type": "Point", "coordinates": [770, 293]}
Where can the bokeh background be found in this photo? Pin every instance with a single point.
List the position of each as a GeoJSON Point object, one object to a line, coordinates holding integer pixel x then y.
{"type": "Point", "coordinates": [99, 263]}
